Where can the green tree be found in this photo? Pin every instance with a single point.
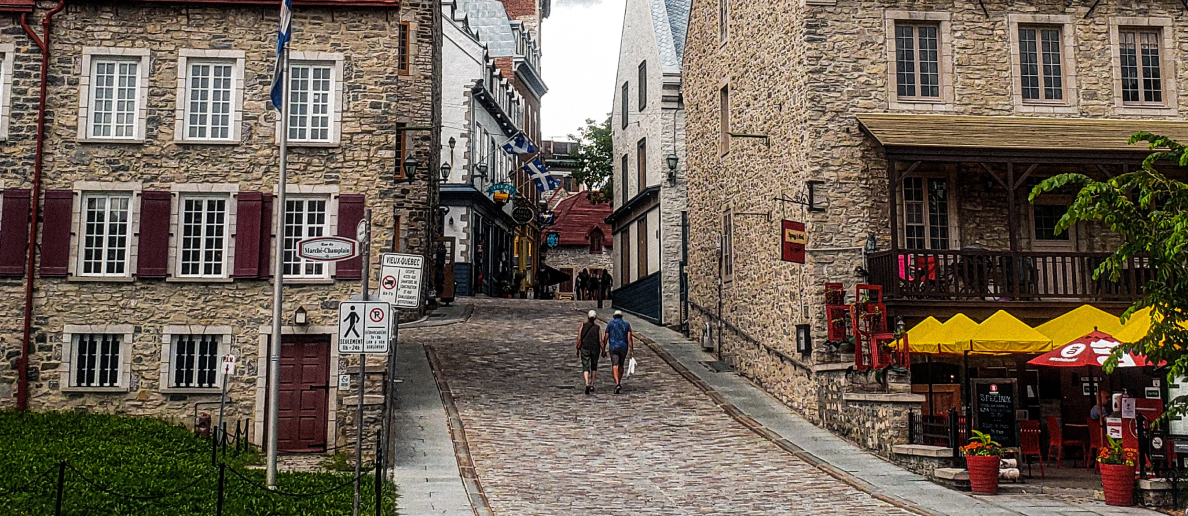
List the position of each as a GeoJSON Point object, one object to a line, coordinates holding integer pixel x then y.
{"type": "Point", "coordinates": [595, 155]}
{"type": "Point", "coordinates": [1147, 209]}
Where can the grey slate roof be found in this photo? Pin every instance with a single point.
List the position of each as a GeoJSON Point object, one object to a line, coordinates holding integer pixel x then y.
{"type": "Point", "coordinates": [678, 20]}
{"type": "Point", "coordinates": [489, 20]}
{"type": "Point", "coordinates": [670, 22]}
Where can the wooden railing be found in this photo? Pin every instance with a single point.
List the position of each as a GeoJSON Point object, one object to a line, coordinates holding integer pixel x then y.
{"type": "Point", "coordinates": [1003, 276]}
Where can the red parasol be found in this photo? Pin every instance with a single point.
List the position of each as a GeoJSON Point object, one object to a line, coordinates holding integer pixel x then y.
{"type": "Point", "coordinates": [1090, 350]}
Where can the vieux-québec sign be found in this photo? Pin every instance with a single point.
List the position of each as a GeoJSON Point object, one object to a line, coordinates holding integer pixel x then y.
{"type": "Point", "coordinates": [328, 249]}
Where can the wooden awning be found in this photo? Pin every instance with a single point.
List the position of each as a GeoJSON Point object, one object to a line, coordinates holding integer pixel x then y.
{"type": "Point", "coordinates": [1014, 133]}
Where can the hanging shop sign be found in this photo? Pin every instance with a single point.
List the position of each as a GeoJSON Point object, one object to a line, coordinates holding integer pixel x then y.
{"type": "Point", "coordinates": [501, 192]}
{"type": "Point", "coordinates": [523, 215]}
{"type": "Point", "coordinates": [548, 218]}
{"type": "Point", "coordinates": [793, 240]}
{"type": "Point", "coordinates": [552, 240]}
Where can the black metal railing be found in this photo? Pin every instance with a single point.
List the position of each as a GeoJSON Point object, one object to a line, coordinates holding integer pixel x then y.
{"type": "Point", "coordinates": [947, 430]}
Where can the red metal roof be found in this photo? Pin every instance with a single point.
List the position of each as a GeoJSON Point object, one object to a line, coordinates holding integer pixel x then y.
{"type": "Point", "coordinates": [576, 217]}
{"type": "Point", "coordinates": [296, 3]}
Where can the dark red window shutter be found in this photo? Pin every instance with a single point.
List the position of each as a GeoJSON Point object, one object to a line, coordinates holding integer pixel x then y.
{"type": "Point", "coordinates": [55, 232]}
{"type": "Point", "coordinates": [247, 235]}
{"type": "Point", "coordinates": [350, 212]}
{"type": "Point", "coordinates": [14, 233]}
{"type": "Point", "coordinates": [152, 260]}
{"type": "Point", "coordinates": [265, 237]}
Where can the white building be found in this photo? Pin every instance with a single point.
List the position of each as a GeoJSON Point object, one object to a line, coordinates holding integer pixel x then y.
{"type": "Point", "coordinates": [648, 134]}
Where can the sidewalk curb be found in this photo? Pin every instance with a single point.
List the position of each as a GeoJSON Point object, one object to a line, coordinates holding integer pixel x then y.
{"type": "Point", "coordinates": [775, 438]}
{"type": "Point", "coordinates": [474, 487]}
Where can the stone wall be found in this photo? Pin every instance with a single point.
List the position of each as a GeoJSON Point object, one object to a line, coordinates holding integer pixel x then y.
{"type": "Point", "coordinates": [374, 100]}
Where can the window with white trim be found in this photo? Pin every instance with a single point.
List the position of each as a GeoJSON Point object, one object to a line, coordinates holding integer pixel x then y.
{"type": "Point", "coordinates": [209, 88]}
{"type": "Point", "coordinates": [97, 359]}
{"type": "Point", "coordinates": [115, 98]}
{"type": "Point", "coordinates": [926, 213]}
{"type": "Point", "coordinates": [106, 231]}
{"type": "Point", "coordinates": [917, 61]}
{"type": "Point", "coordinates": [1041, 67]}
{"type": "Point", "coordinates": [7, 53]}
{"type": "Point", "coordinates": [1139, 53]}
{"type": "Point", "coordinates": [195, 361]}
{"type": "Point", "coordinates": [311, 94]}
{"type": "Point", "coordinates": [202, 236]}
{"type": "Point", "coordinates": [304, 218]}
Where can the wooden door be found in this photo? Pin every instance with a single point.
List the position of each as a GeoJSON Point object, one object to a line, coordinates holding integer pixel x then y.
{"type": "Point", "coordinates": [304, 392]}
{"type": "Point", "coordinates": [567, 285]}
{"type": "Point", "coordinates": [1052, 274]}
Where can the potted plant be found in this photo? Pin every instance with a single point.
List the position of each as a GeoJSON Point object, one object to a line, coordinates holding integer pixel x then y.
{"type": "Point", "coordinates": [1117, 472]}
{"type": "Point", "coordinates": [981, 459]}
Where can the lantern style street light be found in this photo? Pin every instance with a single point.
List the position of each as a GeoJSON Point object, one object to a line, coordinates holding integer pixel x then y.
{"type": "Point", "coordinates": [445, 172]}
{"type": "Point", "coordinates": [410, 167]}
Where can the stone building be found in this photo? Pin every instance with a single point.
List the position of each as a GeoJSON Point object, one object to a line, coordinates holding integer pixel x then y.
{"type": "Point", "coordinates": [583, 239]}
{"type": "Point", "coordinates": [906, 136]}
{"type": "Point", "coordinates": [155, 215]}
{"type": "Point", "coordinates": [648, 135]}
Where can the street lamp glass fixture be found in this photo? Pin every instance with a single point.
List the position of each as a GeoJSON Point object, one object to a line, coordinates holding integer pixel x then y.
{"type": "Point", "coordinates": [672, 161]}
{"type": "Point", "coordinates": [445, 171]}
{"type": "Point", "coordinates": [410, 166]}
{"type": "Point", "coordinates": [481, 168]}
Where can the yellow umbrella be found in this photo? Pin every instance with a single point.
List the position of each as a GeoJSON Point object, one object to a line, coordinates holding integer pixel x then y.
{"type": "Point", "coordinates": [1002, 333]}
{"type": "Point", "coordinates": [1077, 323]}
{"type": "Point", "coordinates": [1137, 326]}
{"type": "Point", "coordinates": [923, 328]}
{"type": "Point", "coordinates": [950, 337]}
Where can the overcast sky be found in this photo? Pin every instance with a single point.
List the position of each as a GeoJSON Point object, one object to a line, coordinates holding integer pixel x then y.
{"type": "Point", "coordinates": [580, 47]}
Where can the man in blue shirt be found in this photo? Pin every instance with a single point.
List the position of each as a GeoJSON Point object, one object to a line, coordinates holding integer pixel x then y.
{"type": "Point", "coordinates": [618, 341]}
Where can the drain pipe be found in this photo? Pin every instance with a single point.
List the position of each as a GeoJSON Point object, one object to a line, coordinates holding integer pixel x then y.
{"type": "Point", "coordinates": [43, 43]}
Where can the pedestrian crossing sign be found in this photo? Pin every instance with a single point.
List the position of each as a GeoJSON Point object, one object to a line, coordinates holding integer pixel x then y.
{"type": "Point", "coordinates": [364, 327]}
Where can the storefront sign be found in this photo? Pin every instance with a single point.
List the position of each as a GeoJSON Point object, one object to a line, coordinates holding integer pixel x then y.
{"type": "Point", "coordinates": [523, 215]}
{"type": "Point", "coordinates": [501, 192]}
{"type": "Point", "coordinates": [1114, 427]}
{"type": "Point", "coordinates": [994, 409]}
{"type": "Point", "coordinates": [794, 239]}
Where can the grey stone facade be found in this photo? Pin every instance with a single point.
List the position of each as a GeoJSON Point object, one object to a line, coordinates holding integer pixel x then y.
{"type": "Point", "coordinates": [375, 97]}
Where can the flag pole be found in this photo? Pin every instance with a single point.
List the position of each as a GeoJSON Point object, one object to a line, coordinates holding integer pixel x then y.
{"type": "Point", "coordinates": [278, 276]}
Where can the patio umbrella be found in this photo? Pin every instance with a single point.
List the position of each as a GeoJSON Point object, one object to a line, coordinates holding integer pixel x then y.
{"type": "Point", "coordinates": [1091, 350]}
{"type": "Point", "coordinates": [1078, 322]}
{"type": "Point", "coordinates": [951, 337]}
{"type": "Point", "coordinates": [1002, 334]}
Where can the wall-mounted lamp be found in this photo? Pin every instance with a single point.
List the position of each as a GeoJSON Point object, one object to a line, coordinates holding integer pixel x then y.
{"type": "Point", "coordinates": [410, 167]}
{"type": "Point", "coordinates": [445, 171]}
{"type": "Point", "coordinates": [452, 142]}
{"type": "Point", "coordinates": [480, 170]}
{"type": "Point", "coordinates": [300, 318]}
{"type": "Point", "coordinates": [871, 244]}
{"type": "Point", "coordinates": [900, 326]}
{"type": "Point", "coordinates": [672, 165]}
{"type": "Point", "coordinates": [804, 339]}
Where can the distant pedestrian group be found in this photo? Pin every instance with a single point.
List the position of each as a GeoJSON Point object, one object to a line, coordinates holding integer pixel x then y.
{"type": "Point", "coordinates": [617, 344]}
{"type": "Point", "coordinates": [592, 285]}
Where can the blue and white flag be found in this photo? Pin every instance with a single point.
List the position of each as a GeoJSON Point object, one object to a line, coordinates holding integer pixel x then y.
{"type": "Point", "coordinates": [283, 33]}
{"type": "Point", "coordinates": [519, 144]}
{"type": "Point", "coordinates": [539, 174]}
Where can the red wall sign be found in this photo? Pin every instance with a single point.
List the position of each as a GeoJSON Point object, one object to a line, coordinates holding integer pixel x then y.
{"type": "Point", "coordinates": [793, 240]}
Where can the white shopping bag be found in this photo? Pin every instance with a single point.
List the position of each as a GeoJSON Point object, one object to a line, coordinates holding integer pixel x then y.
{"type": "Point", "coordinates": [631, 366]}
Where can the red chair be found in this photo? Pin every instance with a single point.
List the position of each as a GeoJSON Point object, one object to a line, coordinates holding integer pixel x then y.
{"type": "Point", "coordinates": [1094, 441]}
{"type": "Point", "coordinates": [1029, 444]}
{"type": "Point", "coordinates": [1057, 442]}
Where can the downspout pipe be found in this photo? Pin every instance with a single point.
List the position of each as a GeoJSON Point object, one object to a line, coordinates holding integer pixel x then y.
{"type": "Point", "coordinates": [42, 43]}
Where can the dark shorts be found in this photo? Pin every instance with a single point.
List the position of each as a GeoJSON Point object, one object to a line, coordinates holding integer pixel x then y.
{"type": "Point", "coordinates": [618, 357]}
{"type": "Point", "coordinates": [589, 360]}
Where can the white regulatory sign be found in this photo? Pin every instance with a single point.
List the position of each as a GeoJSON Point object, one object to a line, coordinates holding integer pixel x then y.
{"type": "Point", "coordinates": [364, 327]}
{"type": "Point", "coordinates": [400, 279]}
{"type": "Point", "coordinates": [228, 365]}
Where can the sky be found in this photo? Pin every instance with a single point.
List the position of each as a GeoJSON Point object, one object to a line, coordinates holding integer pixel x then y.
{"type": "Point", "coordinates": [580, 55]}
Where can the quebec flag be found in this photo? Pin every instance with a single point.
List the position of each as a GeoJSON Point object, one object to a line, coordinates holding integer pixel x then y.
{"type": "Point", "coordinates": [519, 144]}
{"type": "Point", "coordinates": [283, 33]}
{"type": "Point", "coordinates": [539, 174]}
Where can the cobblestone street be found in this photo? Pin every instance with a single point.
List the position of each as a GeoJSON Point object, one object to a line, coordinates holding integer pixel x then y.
{"type": "Point", "coordinates": [540, 446]}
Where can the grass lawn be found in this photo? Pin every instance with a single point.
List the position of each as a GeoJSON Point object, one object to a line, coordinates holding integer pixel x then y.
{"type": "Point", "coordinates": [142, 457]}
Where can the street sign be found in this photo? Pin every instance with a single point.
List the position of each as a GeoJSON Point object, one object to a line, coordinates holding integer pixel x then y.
{"type": "Point", "coordinates": [364, 327]}
{"type": "Point", "coordinates": [328, 249]}
{"type": "Point", "coordinates": [400, 279]}
{"type": "Point", "coordinates": [228, 365]}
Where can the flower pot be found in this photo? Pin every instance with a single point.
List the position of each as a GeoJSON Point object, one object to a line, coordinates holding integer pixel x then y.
{"type": "Point", "coordinates": [983, 473]}
{"type": "Point", "coordinates": [1117, 480]}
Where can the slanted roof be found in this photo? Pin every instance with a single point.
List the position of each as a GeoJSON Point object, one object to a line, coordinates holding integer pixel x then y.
{"type": "Point", "coordinates": [576, 217]}
{"type": "Point", "coordinates": [1013, 132]}
{"type": "Point", "coordinates": [670, 23]}
{"type": "Point", "coordinates": [489, 20]}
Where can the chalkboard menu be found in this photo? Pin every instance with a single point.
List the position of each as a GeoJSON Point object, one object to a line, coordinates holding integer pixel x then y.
{"type": "Point", "coordinates": [994, 409]}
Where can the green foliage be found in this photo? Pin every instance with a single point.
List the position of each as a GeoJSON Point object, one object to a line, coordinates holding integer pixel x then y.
{"type": "Point", "coordinates": [146, 458]}
{"type": "Point", "coordinates": [340, 461]}
{"type": "Point", "coordinates": [595, 157]}
{"type": "Point", "coordinates": [1147, 209]}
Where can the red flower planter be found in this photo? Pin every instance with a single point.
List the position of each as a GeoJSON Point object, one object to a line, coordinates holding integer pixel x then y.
{"type": "Point", "coordinates": [1117, 480]}
{"type": "Point", "coordinates": [983, 473]}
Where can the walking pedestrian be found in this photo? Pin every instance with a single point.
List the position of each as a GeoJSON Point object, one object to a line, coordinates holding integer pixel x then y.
{"type": "Point", "coordinates": [582, 279]}
{"type": "Point", "coordinates": [621, 345]}
{"type": "Point", "coordinates": [590, 344]}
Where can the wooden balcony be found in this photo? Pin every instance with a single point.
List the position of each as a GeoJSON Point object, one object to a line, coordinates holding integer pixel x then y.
{"type": "Point", "coordinates": [988, 279]}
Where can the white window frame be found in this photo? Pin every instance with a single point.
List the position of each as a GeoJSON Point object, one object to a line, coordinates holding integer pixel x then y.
{"type": "Point", "coordinates": [954, 225]}
{"type": "Point", "coordinates": [69, 349]}
{"type": "Point", "coordinates": [89, 56]}
{"type": "Point", "coordinates": [7, 55]}
{"type": "Point", "coordinates": [189, 56]}
{"type": "Point", "coordinates": [169, 333]}
{"type": "Point", "coordinates": [205, 190]}
{"type": "Point", "coordinates": [1169, 56]}
{"type": "Point", "coordinates": [81, 190]}
{"type": "Point", "coordinates": [335, 61]}
{"type": "Point", "coordinates": [330, 194]}
{"type": "Point", "coordinates": [945, 102]}
{"type": "Point", "coordinates": [1070, 102]}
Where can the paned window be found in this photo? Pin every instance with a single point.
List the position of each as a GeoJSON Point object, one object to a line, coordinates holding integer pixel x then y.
{"type": "Point", "coordinates": [917, 61]}
{"type": "Point", "coordinates": [643, 85]}
{"type": "Point", "coordinates": [724, 118]}
{"type": "Point", "coordinates": [310, 94]}
{"type": "Point", "coordinates": [641, 163]}
{"type": "Point", "coordinates": [208, 106]}
{"type": "Point", "coordinates": [623, 105]}
{"type": "Point", "coordinates": [114, 98]}
{"type": "Point", "coordinates": [404, 48]}
{"type": "Point", "coordinates": [723, 19]}
{"type": "Point", "coordinates": [1046, 217]}
{"type": "Point", "coordinates": [304, 218]}
{"type": "Point", "coordinates": [105, 235]}
{"type": "Point", "coordinates": [1041, 70]}
{"type": "Point", "coordinates": [203, 236]}
{"type": "Point", "coordinates": [195, 360]}
{"type": "Point", "coordinates": [926, 213]}
{"type": "Point", "coordinates": [596, 242]}
{"type": "Point", "coordinates": [97, 359]}
{"type": "Point", "coordinates": [727, 246]}
{"type": "Point", "coordinates": [1142, 81]}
